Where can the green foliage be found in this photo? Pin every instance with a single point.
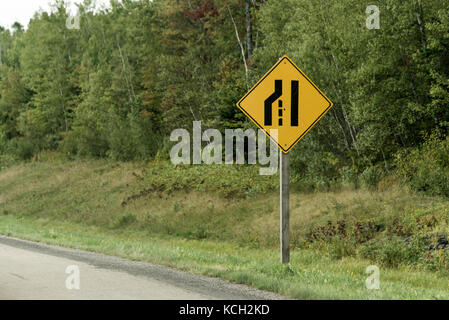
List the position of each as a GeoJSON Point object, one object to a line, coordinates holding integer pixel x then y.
{"type": "Point", "coordinates": [349, 177]}
{"type": "Point", "coordinates": [388, 85]}
{"type": "Point", "coordinates": [389, 252]}
{"type": "Point", "coordinates": [417, 238]}
{"type": "Point", "coordinates": [227, 181]}
{"type": "Point", "coordinates": [426, 168]}
{"type": "Point", "coordinates": [395, 251]}
{"type": "Point", "coordinates": [3, 141]}
{"type": "Point", "coordinates": [21, 148]}
{"type": "Point", "coordinates": [370, 177]}
{"type": "Point", "coordinates": [135, 71]}
{"type": "Point", "coordinates": [124, 220]}
{"type": "Point", "coordinates": [6, 160]}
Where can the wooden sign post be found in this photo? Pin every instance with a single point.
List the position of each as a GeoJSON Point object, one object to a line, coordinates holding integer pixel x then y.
{"type": "Point", "coordinates": [285, 207]}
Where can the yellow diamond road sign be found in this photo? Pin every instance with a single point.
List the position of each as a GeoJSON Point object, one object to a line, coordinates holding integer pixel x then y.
{"type": "Point", "coordinates": [286, 100]}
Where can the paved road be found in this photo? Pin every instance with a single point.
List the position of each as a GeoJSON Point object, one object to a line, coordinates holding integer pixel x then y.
{"type": "Point", "coordinates": [31, 270]}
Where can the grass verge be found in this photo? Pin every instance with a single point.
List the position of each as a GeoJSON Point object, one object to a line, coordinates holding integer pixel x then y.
{"type": "Point", "coordinates": [310, 275]}
{"type": "Point", "coordinates": [144, 212]}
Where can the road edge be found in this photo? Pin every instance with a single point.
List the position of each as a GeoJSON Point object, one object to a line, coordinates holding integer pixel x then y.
{"type": "Point", "coordinates": [215, 287]}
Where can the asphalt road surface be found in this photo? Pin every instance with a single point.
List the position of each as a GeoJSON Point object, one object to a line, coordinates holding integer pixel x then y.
{"type": "Point", "coordinates": [31, 270]}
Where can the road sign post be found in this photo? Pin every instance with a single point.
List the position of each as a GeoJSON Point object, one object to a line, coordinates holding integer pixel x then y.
{"type": "Point", "coordinates": [285, 100]}
{"type": "Point", "coordinates": [285, 207]}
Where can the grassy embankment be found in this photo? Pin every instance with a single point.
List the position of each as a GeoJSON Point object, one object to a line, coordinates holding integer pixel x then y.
{"type": "Point", "coordinates": [223, 222]}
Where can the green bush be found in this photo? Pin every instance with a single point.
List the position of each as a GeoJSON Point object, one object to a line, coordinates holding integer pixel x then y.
{"type": "Point", "coordinates": [395, 251]}
{"type": "Point", "coordinates": [227, 181]}
{"type": "Point", "coordinates": [69, 144]}
{"type": "Point", "coordinates": [388, 252]}
{"type": "Point", "coordinates": [122, 144]}
{"type": "Point", "coordinates": [21, 148]}
{"type": "Point", "coordinates": [370, 177]}
{"type": "Point", "coordinates": [124, 220]}
{"type": "Point", "coordinates": [436, 260]}
{"type": "Point", "coordinates": [6, 160]}
{"type": "Point", "coordinates": [349, 177]}
{"type": "Point", "coordinates": [3, 141]}
{"type": "Point", "coordinates": [342, 247]}
{"type": "Point", "coordinates": [426, 169]}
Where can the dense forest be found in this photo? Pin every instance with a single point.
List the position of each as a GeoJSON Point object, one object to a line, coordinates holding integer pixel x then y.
{"type": "Point", "coordinates": [117, 86]}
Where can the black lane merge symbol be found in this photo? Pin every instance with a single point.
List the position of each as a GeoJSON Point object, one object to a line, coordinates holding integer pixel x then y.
{"type": "Point", "coordinates": [294, 105]}
{"type": "Point", "coordinates": [269, 102]}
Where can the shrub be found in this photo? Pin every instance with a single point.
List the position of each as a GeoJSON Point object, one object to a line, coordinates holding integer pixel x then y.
{"type": "Point", "coordinates": [197, 233]}
{"type": "Point", "coordinates": [426, 169]}
{"type": "Point", "coordinates": [228, 181]}
{"type": "Point", "coordinates": [125, 220]}
{"type": "Point", "coordinates": [349, 177]}
{"type": "Point", "coordinates": [342, 247]}
{"type": "Point", "coordinates": [6, 160]}
{"type": "Point", "coordinates": [388, 252]}
{"type": "Point", "coordinates": [394, 251]}
{"type": "Point", "coordinates": [21, 148]}
{"type": "Point", "coordinates": [370, 177]}
{"type": "Point", "coordinates": [436, 260]}
{"type": "Point", "coordinates": [3, 141]}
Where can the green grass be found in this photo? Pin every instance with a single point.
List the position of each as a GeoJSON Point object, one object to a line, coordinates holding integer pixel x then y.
{"type": "Point", "coordinates": [309, 276]}
{"type": "Point", "coordinates": [191, 221]}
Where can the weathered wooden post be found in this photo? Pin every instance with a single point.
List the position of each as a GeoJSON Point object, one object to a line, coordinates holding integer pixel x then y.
{"type": "Point", "coordinates": [285, 207]}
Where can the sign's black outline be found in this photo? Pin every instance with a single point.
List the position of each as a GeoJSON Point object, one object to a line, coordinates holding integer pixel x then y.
{"type": "Point", "coordinates": [260, 81]}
